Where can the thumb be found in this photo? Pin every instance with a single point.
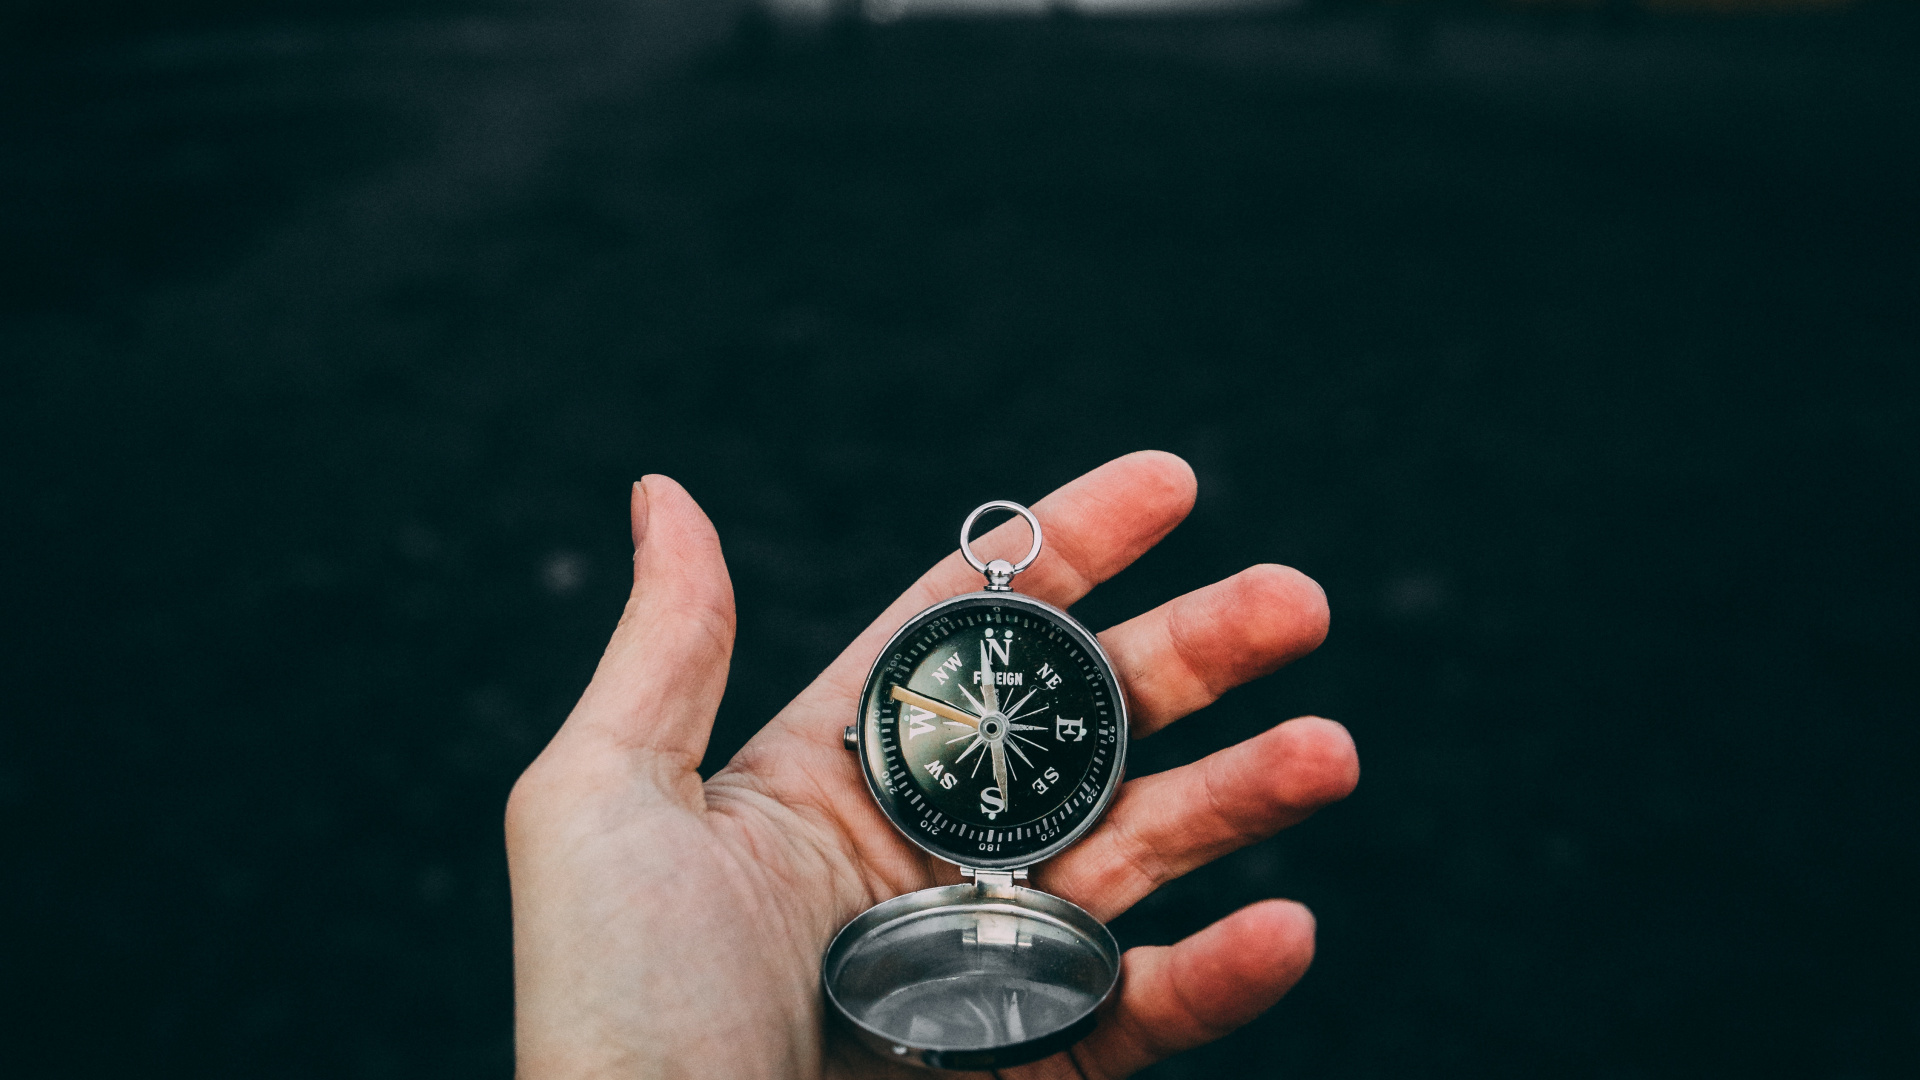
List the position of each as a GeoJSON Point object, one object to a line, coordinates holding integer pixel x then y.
{"type": "Point", "coordinates": [654, 695]}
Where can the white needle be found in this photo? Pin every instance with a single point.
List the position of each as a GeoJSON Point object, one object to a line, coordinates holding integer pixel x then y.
{"type": "Point", "coordinates": [1000, 768]}
{"type": "Point", "coordinates": [987, 692]}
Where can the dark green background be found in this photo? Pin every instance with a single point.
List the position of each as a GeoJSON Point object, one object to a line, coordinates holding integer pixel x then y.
{"type": "Point", "coordinates": [1575, 356]}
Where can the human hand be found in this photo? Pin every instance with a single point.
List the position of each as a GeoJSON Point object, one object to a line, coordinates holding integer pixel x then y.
{"type": "Point", "coordinates": [663, 926]}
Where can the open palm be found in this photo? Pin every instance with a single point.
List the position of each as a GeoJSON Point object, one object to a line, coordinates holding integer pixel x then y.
{"type": "Point", "coordinates": [666, 926]}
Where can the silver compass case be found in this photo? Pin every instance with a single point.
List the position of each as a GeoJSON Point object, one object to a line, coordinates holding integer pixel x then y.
{"type": "Point", "coordinates": [991, 973]}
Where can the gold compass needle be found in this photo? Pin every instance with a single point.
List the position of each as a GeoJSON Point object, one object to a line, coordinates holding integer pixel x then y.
{"type": "Point", "coordinates": [932, 705]}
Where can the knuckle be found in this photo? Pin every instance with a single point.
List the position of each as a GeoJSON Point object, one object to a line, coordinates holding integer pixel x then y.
{"type": "Point", "coordinates": [1238, 823]}
{"type": "Point", "coordinates": [1185, 641]}
{"type": "Point", "coordinates": [1143, 862]}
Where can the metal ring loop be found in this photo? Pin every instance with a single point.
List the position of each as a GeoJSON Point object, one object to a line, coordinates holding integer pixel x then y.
{"type": "Point", "coordinates": [966, 541]}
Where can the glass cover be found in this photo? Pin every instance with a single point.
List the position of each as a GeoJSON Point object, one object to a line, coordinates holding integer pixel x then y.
{"type": "Point", "coordinates": [992, 730]}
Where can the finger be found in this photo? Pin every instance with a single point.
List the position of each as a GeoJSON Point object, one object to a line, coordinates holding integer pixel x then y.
{"type": "Point", "coordinates": [659, 683]}
{"type": "Point", "coordinates": [1177, 997]}
{"type": "Point", "coordinates": [1094, 527]}
{"type": "Point", "coordinates": [1164, 825]}
{"type": "Point", "coordinates": [1184, 654]}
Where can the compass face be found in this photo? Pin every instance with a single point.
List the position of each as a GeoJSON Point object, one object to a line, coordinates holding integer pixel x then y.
{"type": "Point", "coordinates": [992, 730]}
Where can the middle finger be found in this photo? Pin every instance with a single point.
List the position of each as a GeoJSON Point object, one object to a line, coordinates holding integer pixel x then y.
{"type": "Point", "coordinates": [1184, 654]}
{"type": "Point", "coordinates": [1166, 824]}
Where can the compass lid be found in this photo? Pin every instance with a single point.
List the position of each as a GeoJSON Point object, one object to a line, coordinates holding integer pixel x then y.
{"type": "Point", "coordinates": [980, 976]}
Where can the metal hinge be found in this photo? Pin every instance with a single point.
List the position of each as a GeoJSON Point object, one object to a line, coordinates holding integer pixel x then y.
{"type": "Point", "coordinates": [1002, 878]}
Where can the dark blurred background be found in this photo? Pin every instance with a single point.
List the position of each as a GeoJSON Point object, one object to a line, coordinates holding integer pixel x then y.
{"type": "Point", "coordinates": [1572, 349]}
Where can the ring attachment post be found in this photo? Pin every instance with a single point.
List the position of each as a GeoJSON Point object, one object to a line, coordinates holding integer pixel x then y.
{"type": "Point", "coordinates": [999, 572]}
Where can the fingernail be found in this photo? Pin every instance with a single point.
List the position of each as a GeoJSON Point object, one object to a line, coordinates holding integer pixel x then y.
{"type": "Point", "coordinates": [637, 511]}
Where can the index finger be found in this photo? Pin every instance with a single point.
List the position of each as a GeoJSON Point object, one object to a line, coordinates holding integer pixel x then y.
{"type": "Point", "coordinates": [1095, 526]}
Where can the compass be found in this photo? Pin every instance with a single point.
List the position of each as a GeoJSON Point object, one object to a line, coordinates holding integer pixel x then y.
{"type": "Point", "coordinates": [993, 734]}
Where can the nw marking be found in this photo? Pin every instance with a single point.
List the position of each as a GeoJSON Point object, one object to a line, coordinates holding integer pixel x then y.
{"type": "Point", "coordinates": [947, 667]}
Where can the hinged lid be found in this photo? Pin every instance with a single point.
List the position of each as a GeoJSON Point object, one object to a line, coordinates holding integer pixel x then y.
{"type": "Point", "coordinates": [1002, 878]}
{"type": "Point", "coordinates": [979, 976]}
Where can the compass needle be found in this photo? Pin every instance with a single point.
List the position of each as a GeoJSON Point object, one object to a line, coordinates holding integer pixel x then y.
{"type": "Point", "coordinates": [988, 692]}
{"type": "Point", "coordinates": [933, 705]}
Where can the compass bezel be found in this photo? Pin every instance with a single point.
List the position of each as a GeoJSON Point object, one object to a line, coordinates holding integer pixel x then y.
{"type": "Point", "coordinates": [892, 802]}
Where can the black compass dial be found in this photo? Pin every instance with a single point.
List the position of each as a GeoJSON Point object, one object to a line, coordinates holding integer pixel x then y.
{"type": "Point", "coordinates": [992, 730]}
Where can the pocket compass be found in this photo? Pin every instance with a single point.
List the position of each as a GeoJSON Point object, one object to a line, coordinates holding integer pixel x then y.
{"type": "Point", "coordinates": [993, 734]}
